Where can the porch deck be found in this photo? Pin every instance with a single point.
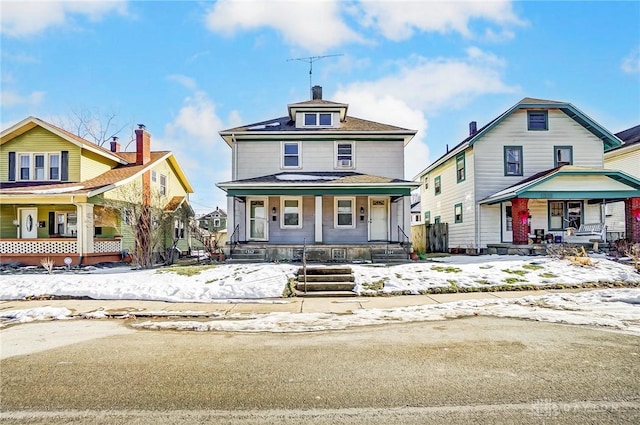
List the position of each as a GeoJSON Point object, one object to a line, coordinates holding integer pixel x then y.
{"type": "Point", "coordinates": [30, 252]}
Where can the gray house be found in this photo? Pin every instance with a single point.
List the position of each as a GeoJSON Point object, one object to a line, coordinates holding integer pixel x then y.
{"type": "Point", "coordinates": [321, 178]}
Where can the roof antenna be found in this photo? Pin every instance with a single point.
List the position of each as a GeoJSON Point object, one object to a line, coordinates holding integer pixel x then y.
{"type": "Point", "coordinates": [310, 60]}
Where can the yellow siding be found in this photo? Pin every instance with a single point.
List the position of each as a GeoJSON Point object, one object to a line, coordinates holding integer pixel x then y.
{"type": "Point", "coordinates": [92, 165]}
{"type": "Point", "coordinates": [39, 140]}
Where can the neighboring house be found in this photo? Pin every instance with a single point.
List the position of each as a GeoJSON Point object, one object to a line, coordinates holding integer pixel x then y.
{"type": "Point", "coordinates": [321, 177]}
{"type": "Point", "coordinates": [63, 196]}
{"type": "Point", "coordinates": [626, 158]}
{"type": "Point", "coordinates": [416, 214]}
{"type": "Point", "coordinates": [214, 221]}
{"type": "Point", "coordinates": [539, 166]}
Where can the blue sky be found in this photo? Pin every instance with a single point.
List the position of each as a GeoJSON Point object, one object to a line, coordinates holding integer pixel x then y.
{"type": "Point", "coordinates": [189, 69]}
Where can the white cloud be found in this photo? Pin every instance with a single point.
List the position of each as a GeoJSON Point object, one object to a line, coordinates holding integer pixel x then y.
{"type": "Point", "coordinates": [400, 20]}
{"type": "Point", "coordinates": [10, 98]}
{"type": "Point", "coordinates": [183, 80]}
{"type": "Point", "coordinates": [422, 87]}
{"type": "Point", "coordinates": [631, 63]}
{"type": "Point", "coordinates": [24, 18]}
{"type": "Point", "coordinates": [314, 25]}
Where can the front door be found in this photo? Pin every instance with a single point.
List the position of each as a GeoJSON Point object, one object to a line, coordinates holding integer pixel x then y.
{"type": "Point", "coordinates": [29, 223]}
{"type": "Point", "coordinates": [378, 219]}
{"type": "Point", "coordinates": [257, 219]}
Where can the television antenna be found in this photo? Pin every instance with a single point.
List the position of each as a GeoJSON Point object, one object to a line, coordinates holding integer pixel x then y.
{"type": "Point", "coordinates": [310, 60]}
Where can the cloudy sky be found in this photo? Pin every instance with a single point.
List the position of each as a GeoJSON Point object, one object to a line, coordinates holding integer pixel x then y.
{"type": "Point", "coordinates": [189, 69]}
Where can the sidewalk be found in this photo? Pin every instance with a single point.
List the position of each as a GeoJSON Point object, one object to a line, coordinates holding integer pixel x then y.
{"type": "Point", "coordinates": [260, 306]}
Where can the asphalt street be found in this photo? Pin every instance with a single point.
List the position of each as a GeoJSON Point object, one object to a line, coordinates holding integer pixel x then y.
{"type": "Point", "coordinates": [478, 369]}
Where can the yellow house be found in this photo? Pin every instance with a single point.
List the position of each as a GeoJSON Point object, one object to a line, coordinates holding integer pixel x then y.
{"type": "Point", "coordinates": [70, 200]}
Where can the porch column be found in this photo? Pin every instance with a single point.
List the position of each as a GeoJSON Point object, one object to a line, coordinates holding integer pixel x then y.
{"type": "Point", "coordinates": [632, 219]}
{"type": "Point", "coordinates": [318, 220]}
{"type": "Point", "coordinates": [520, 226]}
{"type": "Point", "coordinates": [231, 216]}
{"type": "Point", "coordinates": [85, 225]}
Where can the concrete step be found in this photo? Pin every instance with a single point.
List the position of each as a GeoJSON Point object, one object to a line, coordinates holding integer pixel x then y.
{"type": "Point", "coordinates": [327, 278]}
{"type": "Point", "coordinates": [325, 286]}
{"type": "Point", "coordinates": [326, 270]}
{"type": "Point", "coordinates": [329, 294]}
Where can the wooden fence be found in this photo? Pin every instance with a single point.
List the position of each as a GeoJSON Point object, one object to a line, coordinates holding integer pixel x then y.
{"type": "Point", "coordinates": [430, 237]}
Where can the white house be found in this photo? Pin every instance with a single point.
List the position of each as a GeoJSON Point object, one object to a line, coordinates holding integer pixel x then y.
{"type": "Point", "coordinates": [318, 176]}
{"type": "Point", "coordinates": [536, 169]}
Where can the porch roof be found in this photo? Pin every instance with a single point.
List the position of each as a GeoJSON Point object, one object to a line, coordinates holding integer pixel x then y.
{"type": "Point", "coordinates": [571, 182]}
{"type": "Point", "coordinates": [319, 183]}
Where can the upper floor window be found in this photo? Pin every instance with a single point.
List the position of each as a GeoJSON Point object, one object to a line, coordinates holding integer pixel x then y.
{"type": "Point", "coordinates": [216, 222]}
{"type": "Point", "coordinates": [38, 166]}
{"type": "Point", "coordinates": [163, 184]}
{"type": "Point", "coordinates": [318, 119]}
{"type": "Point", "coordinates": [537, 120]}
{"type": "Point", "coordinates": [54, 166]}
{"type": "Point", "coordinates": [291, 209]}
{"type": "Point", "coordinates": [437, 185]}
{"type": "Point", "coordinates": [513, 160]}
{"type": "Point", "coordinates": [154, 176]}
{"type": "Point", "coordinates": [344, 154]}
{"type": "Point", "coordinates": [425, 181]}
{"type": "Point", "coordinates": [291, 155]}
{"type": "Point", "coordinates": [563, 155]}
{"type": "Point", "coordinates": [344, 211]}
{"type": "Point", "coordinates": [457, 213]}
{"type": "Point", "coordinates": [25, 167]}
{"type": "Point", "coordinates": [460, 168]}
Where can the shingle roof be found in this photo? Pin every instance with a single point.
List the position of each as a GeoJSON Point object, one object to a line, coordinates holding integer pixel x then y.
{"type": "Point", "coordinates": [630, 135]}
{"type": "Point", "coordinates": [286, 124]}
{"type": "Point", "coordinates": [319, 177]}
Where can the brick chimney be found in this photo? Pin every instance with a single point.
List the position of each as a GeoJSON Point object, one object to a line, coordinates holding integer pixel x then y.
{"type": "Point", "coordinates": [143, 145]}
{"type": "Point", "coordinates": [316, 93]}
{"type": "Point", "coordinates": [473, 128]}
{"type": "Point", "coordinates": [115, 146]}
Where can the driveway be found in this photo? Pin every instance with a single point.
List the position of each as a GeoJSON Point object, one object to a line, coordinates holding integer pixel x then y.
{"type": "Point", "coordinates": [480, 369]}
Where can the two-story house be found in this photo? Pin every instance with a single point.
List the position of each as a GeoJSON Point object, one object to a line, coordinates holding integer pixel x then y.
{"type": "Point", "coordinates": [62, 196]}
{"type": "Point", "coordinates": [537, 170]}
{"type": "Point", "coordinates": [320, 177]}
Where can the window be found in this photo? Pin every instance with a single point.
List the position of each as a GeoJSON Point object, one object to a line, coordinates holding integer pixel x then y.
{"type": "Point", "coordinates": [127, 216]}
{"type": "Point", "coordinates": [216, 222]}
{"type": "Point", "coordinates": [457, 213]}
{"type": "Point", "coordinates": [513, 160]}
{"type": "Point", "coordinates": [537, 120]}
{"type": "Point", "coordinates": [25, 167]}
{"type": "Point", "coordinates": [318, 119]}
{"type": "Point", "coordinates": [163, 184]}
{"type": "Point", "coordinates": [563, 214]}
{"type": "Point", "coordinates": [344, 154]}
{"type": "Point", "coordinates": [291, 210]}
{"type": "Point", "coordinates": [344, 212]}
{"type": "Point", "coordinates": [427, 217]}
{"type": "Point", "coordinates": [425, 180]}
{"type": "Point", "coordinates": [291, 155]}
{"type": "Point", "coordinates": [563, 155]}
{"type": "Point", "coordinates": [38, 163]}
{"type": "Point", "coordinates": [178, 229]}
{"type": "Point", "coordinates": [437, 186]}
{"type": "Point", "coordinates": [436, 219]}
{"type": "Point", "coordinates": [54, 166]}
{"type": "Point", "coordinates": [154, 176]}
{"type": "Point", "coordinates": [66, 224]}
{"type": "Point", "coordinates": [460, 169]}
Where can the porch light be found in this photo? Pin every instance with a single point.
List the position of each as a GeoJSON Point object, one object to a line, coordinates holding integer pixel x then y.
{"type": "Point", "coordinates": [361, 210]}
{"type": "Point", "coordinates": [16, 222]}
{"type": "Point", "coordinates": [273, 211]}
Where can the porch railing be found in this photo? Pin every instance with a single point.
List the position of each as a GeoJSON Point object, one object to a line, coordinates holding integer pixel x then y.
{"type": "Point", "coordinates": [234, 239]}
{"type": "Point", "coordinates": [55, 246]}
{"type": "Point", "coordinates": [404, 240]}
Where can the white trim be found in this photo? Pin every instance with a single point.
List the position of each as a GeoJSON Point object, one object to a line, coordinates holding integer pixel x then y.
{"type": "Point", "coordinates": [317, 123]}
{"type": "Point", "coordinates": [282, 155]}
{"type": "Point", "coordinates": [340, 164]}
{"type": "Point", "coordinates": [387, 204]}
{"type": "Point", "coordinates": [318, 219]}
{"type": "Point", "coordinates": [283, 199]}
{"type": "Point", "coordinates": [265, 201]}
{"type": "Point", "coordinates": [353, 212]}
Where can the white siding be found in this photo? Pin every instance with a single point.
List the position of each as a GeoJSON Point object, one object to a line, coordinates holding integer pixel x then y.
{"type": "Point", "coordinates": [575, 183]}
{"type": "Point", "coordinates": [460, 234]}
{"type": "Point", "coordinates": [537, 149]}
{"type": "Point", "coordinates": [260, 158]}
{"type": "Point", "coordinates": [629, 162]}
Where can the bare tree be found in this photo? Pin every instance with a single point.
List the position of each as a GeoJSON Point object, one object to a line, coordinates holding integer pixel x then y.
{"type": "Point", "coordinates": [98, 126]}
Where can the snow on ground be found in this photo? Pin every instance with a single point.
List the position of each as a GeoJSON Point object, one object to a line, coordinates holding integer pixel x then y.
{"type": "Point", "coordinates": [614, 308]}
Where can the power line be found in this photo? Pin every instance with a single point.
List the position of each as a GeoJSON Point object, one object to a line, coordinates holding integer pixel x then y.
{"type": "Point", "coordinates": [310, 60]}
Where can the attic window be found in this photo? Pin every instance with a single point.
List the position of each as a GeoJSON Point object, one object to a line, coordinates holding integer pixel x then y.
{"type": "Point", "coordinates": [537, 120]}
{"type": "Point", "coordinates": [317, 119]}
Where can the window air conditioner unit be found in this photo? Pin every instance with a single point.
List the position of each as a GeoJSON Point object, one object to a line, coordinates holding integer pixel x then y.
{"type": "Point", "coordinates": [345, 162]}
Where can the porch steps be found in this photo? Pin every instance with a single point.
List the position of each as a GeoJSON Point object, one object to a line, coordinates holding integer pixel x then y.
{"type": "Point", "coordinates": [249, 255]}
{"type": "Point", "coordinates": [390, 255]}
{"type": "Point", "coordinates": [326, 282]}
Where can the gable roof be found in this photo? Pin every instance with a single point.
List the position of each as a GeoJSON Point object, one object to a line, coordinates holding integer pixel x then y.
{"type": "Point", "coordinates": [630, 136]}
{"type": "Point", "coordinates": [610, 141]}
{"type": "Point", "coordinates": [32, 122]}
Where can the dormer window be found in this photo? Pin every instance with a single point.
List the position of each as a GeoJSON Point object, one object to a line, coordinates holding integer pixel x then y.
{"type": "Point", "coordinates": [318, 119]}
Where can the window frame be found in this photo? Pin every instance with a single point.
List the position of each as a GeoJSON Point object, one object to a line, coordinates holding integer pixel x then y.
{"type": "Point", "coordinates": [50, 168]}
{"type": "Point", "coordinates": [163, 186]}
{"type": "Point", "coordinates": [283, 212]}
{"type": "Point", "coordinates": [565, 222]}
{"type": "Point", "coordinates": [437, 185]}
{"type": "Point", "coordinates": [338, 156]}
{"type": "Point", "coordinates": [154, 176]}
{"type": "Point", "coordinates": [437, 219]}
{"type": "Point", "coordinates": [506, 163]}
{"type": "Point", "coordinates": [298, 155]}
{"type": "Point", "coordinates": [464, 169]}
{"type": "Point", "coordinates": [336, 212]}
{"type": "Point", "coordinates": [20, 166]}
{"type": "Point", "coordinates": [544, 114]}
{"type": "Point", "coordinates": [427, 217]}
{"type": "Point", "coordinates": [455, 213]}
{"type": "Point", "coordinates": [317, 120]}
{"type": "Point", "coordinates": [555, 154]}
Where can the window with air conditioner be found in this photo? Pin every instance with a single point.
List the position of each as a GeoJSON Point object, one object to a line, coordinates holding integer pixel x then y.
{"type": "Point", "coordinates": [344, 154]}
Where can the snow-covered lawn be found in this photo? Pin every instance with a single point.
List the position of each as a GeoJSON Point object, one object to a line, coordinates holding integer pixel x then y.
{"type": "Point", "coordinates": [612, 308]}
